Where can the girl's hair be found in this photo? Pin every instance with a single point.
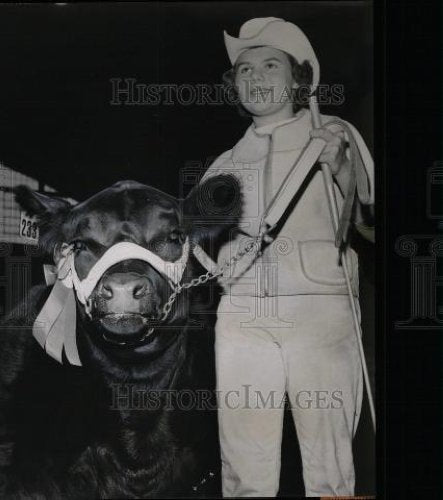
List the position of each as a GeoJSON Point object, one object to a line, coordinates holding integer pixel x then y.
{"type": "Point", "coordinates": [302, 74]}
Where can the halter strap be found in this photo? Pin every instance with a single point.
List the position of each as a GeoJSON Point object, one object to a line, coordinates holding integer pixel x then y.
{"type": "Point", "coordinates": [119, 252]}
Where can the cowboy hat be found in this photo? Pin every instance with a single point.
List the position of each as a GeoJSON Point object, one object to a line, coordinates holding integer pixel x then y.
{"type": "Point", "coordinates": [277, 33]}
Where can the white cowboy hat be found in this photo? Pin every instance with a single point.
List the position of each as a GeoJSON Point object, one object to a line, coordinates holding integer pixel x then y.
{"type": "Point", "coordinates": [277, 33]}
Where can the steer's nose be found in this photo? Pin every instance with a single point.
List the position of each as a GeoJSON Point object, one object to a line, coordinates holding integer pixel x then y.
{"type": "Point", "coordinates": [124, 291]}
{"type": "Point", "coordinates": [135, 286]}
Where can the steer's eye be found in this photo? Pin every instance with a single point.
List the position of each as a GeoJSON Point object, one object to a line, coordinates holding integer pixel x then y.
{"type": "Point", "coordinates": [176, 236]}
{"type": "Point", "coordinates": [78, 246]}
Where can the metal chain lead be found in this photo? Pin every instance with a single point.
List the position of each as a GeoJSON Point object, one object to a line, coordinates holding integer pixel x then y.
{"type": "Point", "coordinates": [204, 278]}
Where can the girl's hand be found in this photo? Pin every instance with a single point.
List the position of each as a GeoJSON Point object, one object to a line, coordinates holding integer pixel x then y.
{"type": "Point", "coordinates": [334, 153]}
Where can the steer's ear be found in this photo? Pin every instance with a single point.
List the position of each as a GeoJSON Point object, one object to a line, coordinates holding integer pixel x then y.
{"type": "Point", "coordinates": [213, 208]}
{"type": "Point", "coordinates": [50, 212]}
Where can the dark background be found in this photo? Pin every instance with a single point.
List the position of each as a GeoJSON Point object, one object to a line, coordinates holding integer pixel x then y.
{"type": "Point", "coordinates": [56, 124]}
{"type": "Point", "coordinates": [56, 120]}
{"type": "Point", "coordinates": [412, 142]}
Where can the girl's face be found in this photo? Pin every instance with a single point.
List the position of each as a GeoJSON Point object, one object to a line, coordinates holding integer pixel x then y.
{"type": "Point", "coordinates": [263, 77]}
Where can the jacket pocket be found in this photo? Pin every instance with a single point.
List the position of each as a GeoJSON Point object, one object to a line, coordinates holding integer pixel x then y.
{"type": "Point", "coordinates": [320, 264]}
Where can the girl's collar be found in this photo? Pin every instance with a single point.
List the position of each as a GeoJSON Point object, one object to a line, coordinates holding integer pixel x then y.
{"type": "Point", "coordinates": [268, 129]}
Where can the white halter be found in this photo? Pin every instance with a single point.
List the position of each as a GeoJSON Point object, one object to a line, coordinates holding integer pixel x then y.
{"type": "Point", "coordinates": [55, 327]}
{"type": "Point", "coordinates": [119, 252]}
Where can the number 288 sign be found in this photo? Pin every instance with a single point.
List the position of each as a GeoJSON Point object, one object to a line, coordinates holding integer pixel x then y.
{"type": "Point", "coordinates": [28, 228]}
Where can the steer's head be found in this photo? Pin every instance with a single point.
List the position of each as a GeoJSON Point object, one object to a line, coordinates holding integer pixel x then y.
{"type": "Point", "coordinates": [129, 286]}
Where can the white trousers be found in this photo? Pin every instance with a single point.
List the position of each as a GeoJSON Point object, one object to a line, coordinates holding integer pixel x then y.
{"type": "Point", "coordinates": [304, 346]}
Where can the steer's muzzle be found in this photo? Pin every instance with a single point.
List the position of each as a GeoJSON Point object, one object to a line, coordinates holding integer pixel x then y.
{"type": "Point", "coordinates": [126, 300]}
{"type": "Point", "coordinates": [124, 292]}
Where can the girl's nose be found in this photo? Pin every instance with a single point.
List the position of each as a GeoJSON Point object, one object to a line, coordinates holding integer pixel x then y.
{"type": "Point", "coordinates": [256, 75]}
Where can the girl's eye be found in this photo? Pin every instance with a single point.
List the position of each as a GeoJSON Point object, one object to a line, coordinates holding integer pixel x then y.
{"type": "Point", "coordinates": [244, 70]}
{"type": "Point", "coordinates": [271, 66]}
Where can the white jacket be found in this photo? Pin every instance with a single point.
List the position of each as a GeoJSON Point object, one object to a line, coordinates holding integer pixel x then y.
{"type": "Point", "coordinates": [303, 258]}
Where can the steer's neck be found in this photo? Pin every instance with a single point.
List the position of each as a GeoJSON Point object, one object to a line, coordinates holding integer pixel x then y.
{"type": "Point", "coordinates": [154, 365]}
{"type": "Point", "coordinates": [136, 402]}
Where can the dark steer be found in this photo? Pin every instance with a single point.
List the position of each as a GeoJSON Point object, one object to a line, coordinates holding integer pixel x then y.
{"type": "Point", "coordinates": [125, 409]}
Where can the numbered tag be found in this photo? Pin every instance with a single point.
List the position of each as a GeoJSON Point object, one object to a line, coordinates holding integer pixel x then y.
{"type": "Point", "coordinates": [28, 227]}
